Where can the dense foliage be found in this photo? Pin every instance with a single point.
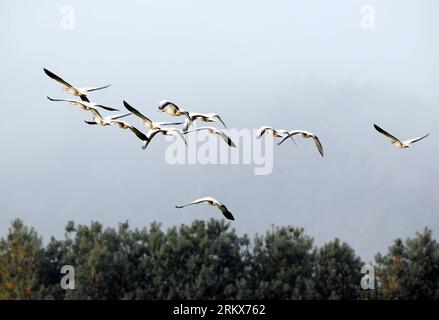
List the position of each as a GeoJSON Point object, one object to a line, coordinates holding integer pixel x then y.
{"type": "Point", "coordinates": [208, 260]}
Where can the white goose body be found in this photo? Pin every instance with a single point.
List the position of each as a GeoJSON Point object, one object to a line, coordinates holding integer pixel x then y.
{"type": "Point", "coordinates": [279, 133]}
{"type": "Point", "coordinates": [171, 109]}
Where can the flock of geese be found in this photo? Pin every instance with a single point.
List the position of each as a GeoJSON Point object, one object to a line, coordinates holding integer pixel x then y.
{"type": "Point", "coordinates": [166, 128]}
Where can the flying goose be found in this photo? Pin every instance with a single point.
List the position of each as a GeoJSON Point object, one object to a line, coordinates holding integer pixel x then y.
{"type": "Point", "coordinates": [84, 105]}
{"type": "Point", "coordinates": [399, 143]}
{"type": "Point", "coordinates": [213, 202]}
{"type": "Point", "coordinates": [167, 132]}
{"type": "Point", "coordinates": [278, 133]}
{"type": "Point", "coordinates": [206, 117]}
{"type": "Point", "coordinates": [146, 121]}
{"type": "Point", "coordinates": [80, 92]}
{"type": "Point", "coordinates": [304, 134]}
{"type": "Point", "coordinates": [126, 125]}
{"type": "Point", "coordinates": [103, 121]}
{"type": "Point", "coordinates": [171, 109]}
{"type": "Point", "coordinates": [215, 131]}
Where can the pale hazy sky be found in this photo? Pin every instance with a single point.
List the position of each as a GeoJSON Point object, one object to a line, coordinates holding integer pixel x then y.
{"type": "Point", "coordinates": [288, 64]}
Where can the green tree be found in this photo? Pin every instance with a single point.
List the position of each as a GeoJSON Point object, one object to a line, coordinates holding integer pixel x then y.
{"type": "Point", "coordinates": [410, 270]}
{"type": "Point", "coordinates": [283, 265]}
{"type": "Point", "coordinates": [338, 272]}
{"type": "Point", "coordinates": [203, 260]}
{"type": "Point", "coordinates": [103, 262]}
{"type": "Point", "coordinates": [20, 262]}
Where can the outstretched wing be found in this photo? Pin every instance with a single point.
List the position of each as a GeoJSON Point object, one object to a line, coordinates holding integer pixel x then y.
{"type": "Point", "coordinates": [288, 135]}
{"type": "Point", "coordinates": [416, 139]}
{"type": "Point", "coordinates": [96, 113]}
{"type": "Point", "coordinates": [198, 129]}
{"type": "Point", "coordinates": [226, 212]}
{"type": "Point", "coordinates": [227, 139]}
{"type": "Point", "coordinates": [201, 200]}
{"type": "Point", "coordinates": [318, 144]}
{"type": "Point", "coordinates": [66, 100]}
{"type": "Point", "coordinates": [106, 108]}
{"type": "Point", "coordinates": [284, 132]}
{"type": "Point", "coordinates": [149, 135]}
{"type": "Point", "coordinates": [57, 78]}
{"type": "Point", "coordinates": [89, 89]}
{"type": "Point", "coordinates": [135, 111]}
{"type": "Point", "coordinates": [384, 132]}
{"type": "Point", "coordinates": [220, 120]}
{"type": "Point", "coordinates": [138, 133]}
{"type": "Point", "coordinates": [187, 123]}
{"type": "Point", "coordinates": [118, 116]}
{"type": "Point", "coordinates": [168, 123]}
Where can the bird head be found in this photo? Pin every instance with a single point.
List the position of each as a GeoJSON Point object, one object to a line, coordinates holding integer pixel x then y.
{"type": "Point", "coordinates": [162, 105]}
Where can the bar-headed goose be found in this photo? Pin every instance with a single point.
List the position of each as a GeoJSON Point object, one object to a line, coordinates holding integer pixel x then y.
{"type": "Point", "coordinates": [171, 109]}
{"type": "Point", "coordinates": [399, 143]}
{"type": "Point", "coordinates": [146, 121]}
{"type": "Point", "coordinates": [79, 92]}
{"type": "Point", "coordinates": [84, 105]}
{"type": "Point", "coordinates": [306, 135]}
{"type": "Point", "coordinates": [213, 202]}
{"type": "Point", "coordinates": [215, 131]}
{"type": "Point", "coordinates": [103, 121]}
{"type": "Point", "coordinates": [206, 117]}
{"type": "Point", "coordinates": [278, 133]}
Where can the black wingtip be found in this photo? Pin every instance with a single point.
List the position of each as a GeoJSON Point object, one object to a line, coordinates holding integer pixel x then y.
{"type": "Point", "coordinates": [109, 109]}
{"type": "Point", "coordinates": [128, 106]}
{"type": "Point", "coordinates": [48, 72]}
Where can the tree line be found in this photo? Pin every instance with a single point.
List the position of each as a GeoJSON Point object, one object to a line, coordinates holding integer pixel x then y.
{"type": "Point", "coordinates": [208, 260]}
